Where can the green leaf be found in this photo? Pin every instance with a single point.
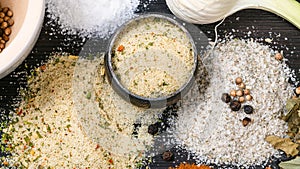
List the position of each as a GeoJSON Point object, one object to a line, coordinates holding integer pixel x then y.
{"type": "Point", "coordinates": [291, 164]}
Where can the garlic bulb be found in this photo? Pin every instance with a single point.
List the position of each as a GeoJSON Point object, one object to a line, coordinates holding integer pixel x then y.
{"type": "Point", "coordinates": [209, 11]}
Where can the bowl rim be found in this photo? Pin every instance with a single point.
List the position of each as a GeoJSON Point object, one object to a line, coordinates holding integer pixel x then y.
{"type": "Point", "coordinates": [20, 47]}
{"type": "Point", "coordinates": [149, 102]}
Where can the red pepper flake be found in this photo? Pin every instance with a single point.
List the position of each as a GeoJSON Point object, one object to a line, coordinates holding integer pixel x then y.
{"type": "Point", "coordinates": [121, 48]}
{"type": "Point", "coordinates": [111, 161]}
{"type": "Point", "coordinates": [190, 166]}
{"type": "Point", "coordinates": [97, 147]}
{"type": "Point", "coordinates": [19, 112]}
{"type": "Point", "coordinates": [43, 67]}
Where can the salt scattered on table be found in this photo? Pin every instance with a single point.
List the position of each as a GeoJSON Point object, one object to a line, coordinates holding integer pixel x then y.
{"type": "Point", "coordinates": [207, 127]}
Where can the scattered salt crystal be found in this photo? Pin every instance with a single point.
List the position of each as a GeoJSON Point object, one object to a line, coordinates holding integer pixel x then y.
{"type": "Point", "coordinates": [268, 40]}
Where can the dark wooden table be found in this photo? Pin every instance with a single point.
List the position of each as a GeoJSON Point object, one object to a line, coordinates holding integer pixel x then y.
{"type": "Point", "coordinates": [260, 23]}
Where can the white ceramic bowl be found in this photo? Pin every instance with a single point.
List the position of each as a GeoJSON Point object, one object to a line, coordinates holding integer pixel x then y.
{"type": "Point", "coordinates": [28, 17]}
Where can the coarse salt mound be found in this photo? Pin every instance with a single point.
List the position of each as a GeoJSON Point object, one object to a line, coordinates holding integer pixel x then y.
{"type": "Point", "coordinates": [208, 128]}
{"type": "Point", "coordinates": [91, 17]}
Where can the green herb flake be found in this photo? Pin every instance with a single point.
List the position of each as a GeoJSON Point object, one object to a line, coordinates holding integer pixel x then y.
{"type": "Point", "coordinates": [165, 83]}
{"type": "Point", "coordinates": [48, 129]}
{"type": "Point", "coordinates": [28, 142]}
{"type": "Point", "coordinates": [27, 122]}
{"type": "Point", "coordinates": [88, 95]}
{"type": "Point", "coordinates": [38, 134]}
{"type": "Point", "coordinates": [37, 158]}
{"type": "Point", "coordinates": [150, 43]}
{"type": "Point", "coordinates": [69, 125]}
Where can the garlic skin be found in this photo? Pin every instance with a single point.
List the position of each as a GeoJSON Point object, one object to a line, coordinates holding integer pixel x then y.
{"type": "Point", "coordinates": [200, 11]}
{"type": "Point", "coordinates": [210, 11]}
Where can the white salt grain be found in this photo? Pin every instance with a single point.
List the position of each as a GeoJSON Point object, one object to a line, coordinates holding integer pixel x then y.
{"type": "Point", "coordinates": [91, 17]}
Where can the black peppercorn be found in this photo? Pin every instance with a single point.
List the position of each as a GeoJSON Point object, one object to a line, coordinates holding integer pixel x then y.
{"type": "Point", "coordinates": [235, 105]}
{"type": "Point", "coordinates": [168, 156]}
{"type": "Point", "coordinates": [153, 128]}
{"type": "Point", "coordinates": [248, 109]}
{"type": "Point", "coordinates": [136, 127]}
{"type": "Point", "coordinates": [226, 97]}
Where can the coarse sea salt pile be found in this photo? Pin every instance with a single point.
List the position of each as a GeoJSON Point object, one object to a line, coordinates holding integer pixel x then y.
{"type": "Point", "coordinates": [91, 17]}
{"type": "Point", "coordinates": [208, 128]}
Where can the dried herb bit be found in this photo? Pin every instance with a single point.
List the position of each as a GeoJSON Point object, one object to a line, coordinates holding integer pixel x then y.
{"type": "Point", "coordinates": [226, 97]}
{"type": "Point", "coordinates": [235, 105]}
{"type": "Point", "coordinates": [293, 118]}
{"type": "Point", "coordinates": [284, 144]}
{"type": "Point", "coordinates": [89, 95]}
{"type": "Point", "coordinates": [248, 109]}
{"type": "Point", "coordinates": [246, 121]}
{"type": "Point", "coordinates": [168, 156]}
